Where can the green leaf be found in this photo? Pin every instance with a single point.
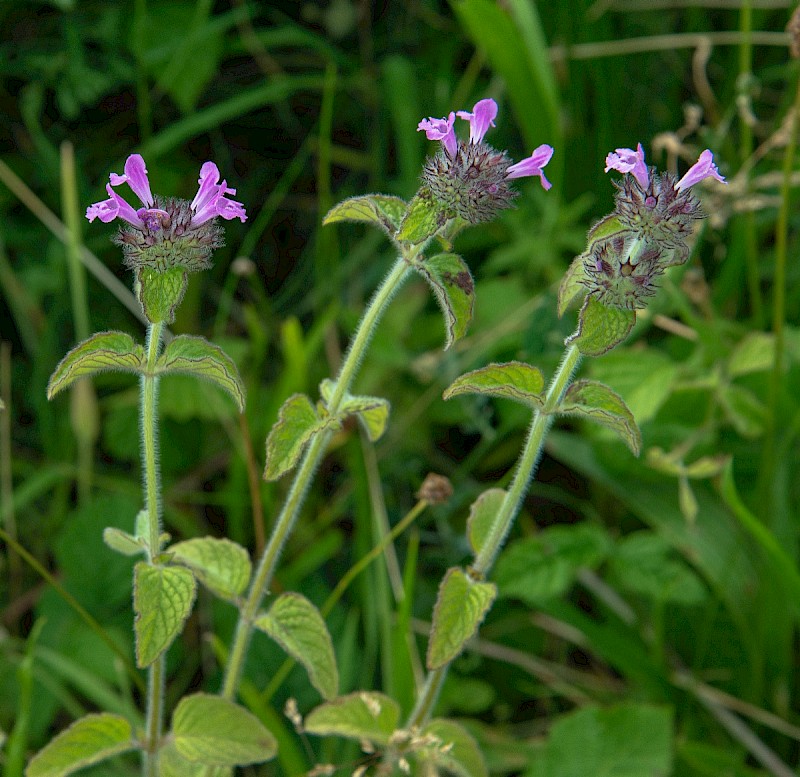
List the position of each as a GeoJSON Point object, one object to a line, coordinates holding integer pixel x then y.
{"type": "Point", "coordinates": [607, 227]}
{"type": "Point", "coordinates": [162, 600]}
{"type": "Point", "coordinates": [297, 423]}
{"type": "Point", "coordinates": [196, 356]}
{"type": "Point", "coordinates": [744, 410]}
{"type": "Point", "coordinates": [452, 285]}
{"type": "Point", "coordinates": [482, 515]}
{"type": "Point", "coordinates": [213, 731]}
{"type": "Point", "coordinates": [160, 293]}
{"type": "Point", "coordinates": [422, 219]}
{"type": "Point", "coordinates": [219, 564]}
{"type": "Point", "coordinates": [628, 740]}
{"type": "Point", "coordinates": [754, 353]}
{"type": "Point", "coordinates": [372, 412]}
{"type": "Point", "coordinates": [544, 567]}
{"type": "Point", "coordinates": [596, 402]}
{"type": "Point", "coordinates": [297, 626]}
{"type": "Point", "coordinates": [172, 764]}
{"type": "Point", "coordinates": [511, 380]}
{"type": "Point", "coordinates": [381, 209]}
{"type": "Point", "coordinates": [600, 328]}
{"type": "Point", "coordinates": [87, 741]}
{"type": "Point", "coordinates": [572, 284]}
{"type": "Point", "coordinates": [122, 542]}
{"type": "Point", "coordinates": [100, 353]}
{"type": "Point", "coordinates": [362, 715]}
{"type": "Point", "coordinates": [460, 608]}
{"type": "Point", "coordinates": [455, 750]}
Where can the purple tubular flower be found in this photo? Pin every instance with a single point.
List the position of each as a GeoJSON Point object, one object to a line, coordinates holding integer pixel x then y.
{"type": "Point", "coordinates": [481, 118]}
{"type": "Point", "coordinates": [626, 160]}
{"type": "Point", "coordinates": [210, 200]}
{"type": "Point", "coordinates": [114, 207]}
{"type": "Point", "coordinates": [700, 170]}
{"type": "Point", "coordinates": [136, 177]}
{"type": "Point", "coordinates": [533, 165]}
{"type": "Point", "coordinates": [441, 129]}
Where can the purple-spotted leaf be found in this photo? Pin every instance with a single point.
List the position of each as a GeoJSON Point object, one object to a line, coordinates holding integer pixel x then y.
{"type": "Point", "coordinates": [461, 606]}
{"type": "Point", "coordinates": [196, 356]}
{"type": "Point", "coordinates": [297, 423]}
{"type": "Point", "coordinates": [382, 210]}
{"type": "Point", "coordinates": [482, 515]}
{"type": "Point", "coordinates": [511, 380]}
{"type": "Point", "coordinates": [452, 748]}
{"type": "Point", "coordinates": [87, 741]}
{"type": "Point", "coordinates": [362, 715]}
{"type": "Point", "coordinates": [297, 626]}
{"type": "Point", "coordinates": [103, 352]}
{"type": "Point", "coordinates": [600, 327]}
{"type": "Point", "coordinates": [452, 285]}
{"type": "Point", "coordinates": [596, 402]}
{"type": "Point", "coordinates": [220, 565]}
{"type": "Point", "coordinates": [214, 731]}
{"type": "Point", "coordinates": [422, 220]}
{"type": "Point", "coordinates": [162, 600]}
{"type": "Point", "coordinates": [160, 293]}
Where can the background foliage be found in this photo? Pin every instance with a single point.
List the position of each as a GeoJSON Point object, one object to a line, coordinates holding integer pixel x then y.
{"type": "Point", "coordinates": [648, 612]}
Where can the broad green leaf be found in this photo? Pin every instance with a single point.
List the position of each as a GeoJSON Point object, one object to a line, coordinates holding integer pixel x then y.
{"type": "Point", "coordinates": [196, 356]}
{"type": "Point", "coordinates": [511, 380]}
{"type": "Point", "coordinates": [102, 352]}
{"type": "Point", "coordinates": [460, 608]}
{"type": "Point", "coordinates": [372, 412]}
{"type": "Point", "coordinates": [744, 410]}
{"type": "Point", "coordinates": [219, 564]}
{"type": "Point", "coordinates": [422, 219]}
{"type": "Point", "coordinates": [600, 327]}
{"type": "Point", "coordinates": [381, 209]}
{"type": "Point", "coordinates": [172, 764]}
{"type": "Point", "coordinates": [452, 285]}
{"type": "Point", "coordinates": [122, 542]}
{"type": "Point", "coordinates": [572, 284]}
{"type": "Point", "coordinates": [596, 402]}
{"type": "Point", "coordinates": [362, 715]}
{"type": "Point", "coordinates": [297, 423]}
{"type": "Point", "coordinates": [544, 567]}
{"type": "Point", "coordinates": [87, 741]}
{"type": "Point", "coordinates": [754, 353]}
{"type": "Point", "coordinates": [160, 293]}
{"type": "Point", "coordinates": [297, 626]}
{"type": "Point", "coordinates": [455, 750]}
{"type": "Point", "coordinates": [628, 740]}
{"type": "Point", "coordinates": [482, 514]}
{"type": "Point", "coordinates": [162, 600]}
{"type": "Point", "coordinates": [607, 227]}
{"type": "Point", "coordinates": [214, 731]}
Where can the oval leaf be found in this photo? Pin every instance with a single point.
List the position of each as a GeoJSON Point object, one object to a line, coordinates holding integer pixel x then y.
{"type": "Point", "coordinates": [597, 402]}
{"type": "Point", "coordinates": [122, 542]}
{"type": "Point", "coordinates": [219, 564]}
{"type": "Point", "coordinates": [511, 380]}
{"type": "Point", "coordinates": [160, 293]}
{"type": "Point", "coordinates": [381, 209]}
{"type": "Point", "coordinates": [422, 219]}
{"type": "Point", "coordinates": [460, 608]}
{"type": "Point", "coordinates": [600, 327]}
{"type": "Point", "coordinates": [162, 600]}
{"type": "Point", "coordinates": [454, 749]}
{"type": "Point", "coordinates": [172, 764]}
{"type": "Point", "coordinates": [454, 289]}
{"type": "Point", "coordinates": [482, 515]}
{"type": "Point", "coordinates": [196, 356]}
{"type": "Point", "coordinates": [102, 352]}
{"type": "Point", "coordinates": [754, 353]}
{"type": "Point", "coordinates": [361, 715]}
{"type": "Point", "coordinates": [213, 731]}
{"type": "Point", "coordinates": [297, 626]}
{"type": "Point", "coordinates": [297, 423]}
{"type": "Point", "coordinates": [572, 284]}
{"type": "Point", "coordinates": [87, 741]}
{"type": "Point", "coordinates": [372, 412]}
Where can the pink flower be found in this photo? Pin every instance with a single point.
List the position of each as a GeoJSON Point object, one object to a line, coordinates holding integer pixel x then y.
{"type": "Point", "coordinates": [210, 200]}
{"type": "Point", "coordinates": [625, 160]}
{"type": "Point", "coordinates": [441, 129]}
{"type": "Point", "coordinates": [533, 165]}
{"type": "Point", "coordinates": [700, 170]}
{"type": "Point", "coordinates": [481, 118]}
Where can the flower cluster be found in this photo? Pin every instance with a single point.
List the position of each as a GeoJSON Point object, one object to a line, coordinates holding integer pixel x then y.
{"type": "Point", "coordinates": [168, 232]}
{"type": "Point", "coordinates": [648, 230]}
{"type": "Point", "coordinates": [470, 180]}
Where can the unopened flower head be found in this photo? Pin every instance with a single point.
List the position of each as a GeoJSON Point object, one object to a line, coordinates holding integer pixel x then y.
{"type": "Point", "coordinates": [470, 179]}
{"type": "Point", "coordinates": [167, 232]}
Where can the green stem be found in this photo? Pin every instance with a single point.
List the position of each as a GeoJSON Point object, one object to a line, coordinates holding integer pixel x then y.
{"type": "Point", "coordinates": [303, 477]}
{"type": "Point", "coordinates": [152, 496]}
{"type": "Point", "coordinates": [528, 461]}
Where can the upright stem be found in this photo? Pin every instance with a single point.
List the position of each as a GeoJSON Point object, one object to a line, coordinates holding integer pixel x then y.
{"type": "Point", "coordinates": [528, 461]}
{"type": "Point", "coordinates": [303, 477]}
{"type": "Point", "coordinates": [152, 497]}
